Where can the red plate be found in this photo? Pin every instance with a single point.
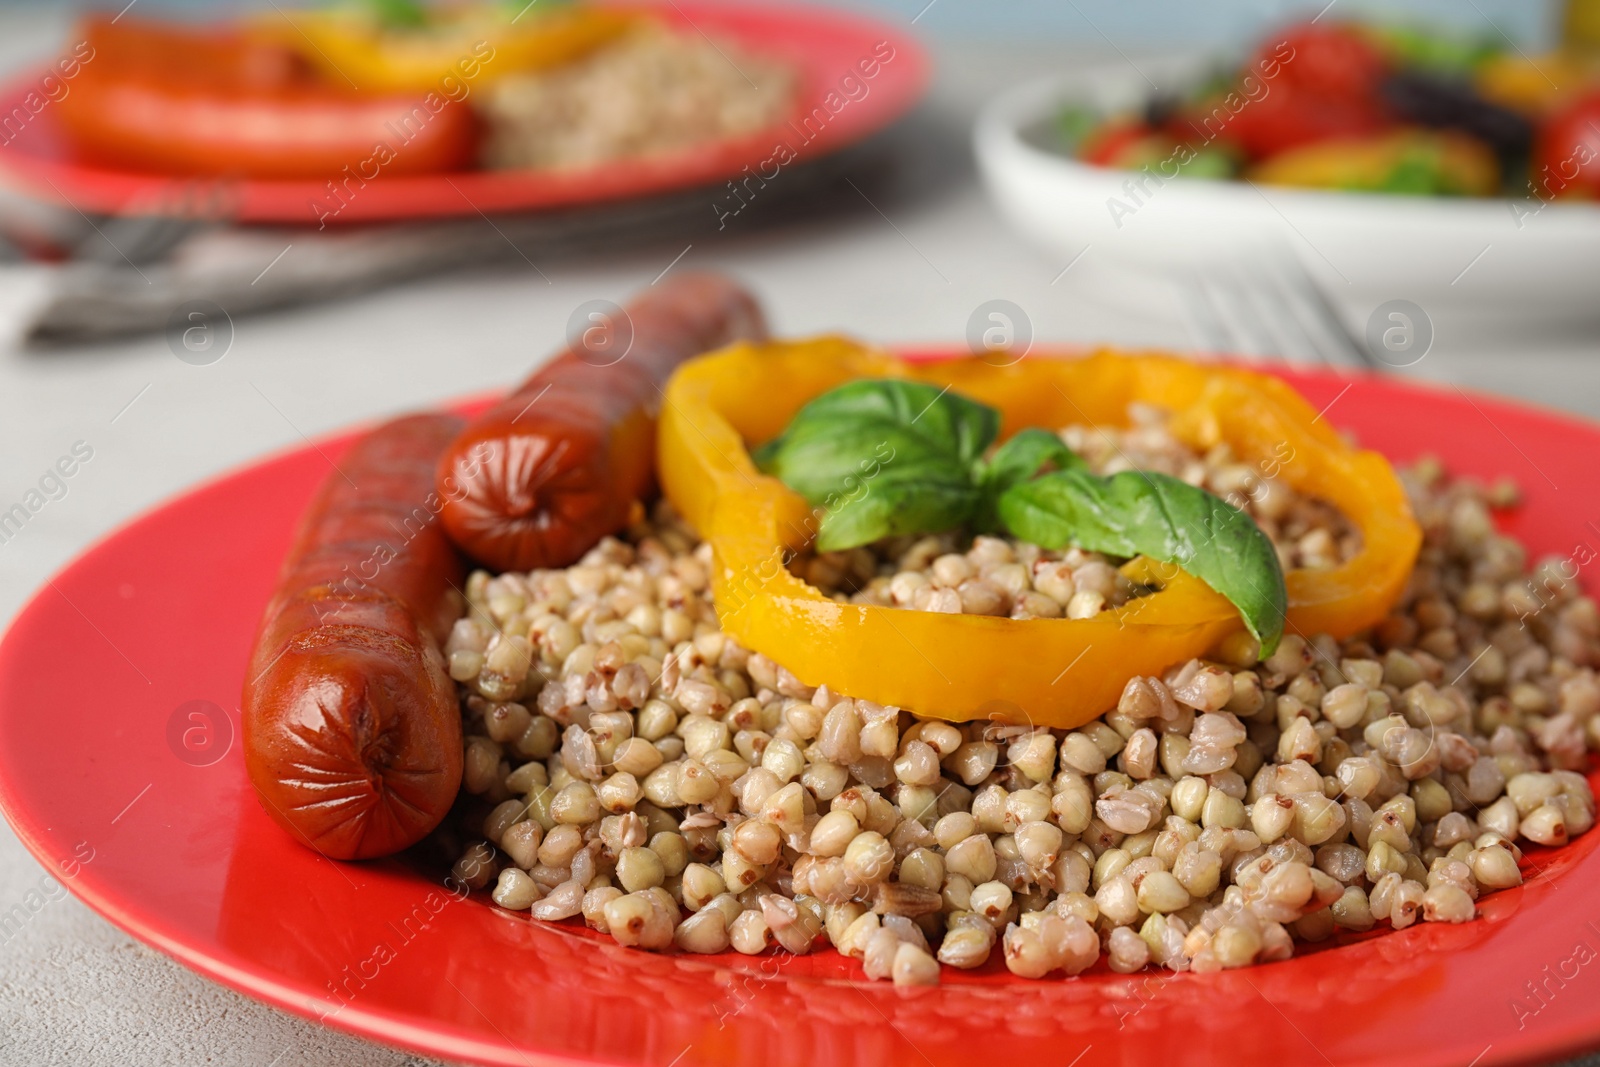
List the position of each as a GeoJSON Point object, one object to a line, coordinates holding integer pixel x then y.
{"type": "Point", "coordinates": [123, 786]}
{"type": "Point", "coordinates": [824, 45]}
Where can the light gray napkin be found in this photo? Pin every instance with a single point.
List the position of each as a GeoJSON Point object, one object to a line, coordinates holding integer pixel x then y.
{"type": "Point", "coordinates": [128, 275]}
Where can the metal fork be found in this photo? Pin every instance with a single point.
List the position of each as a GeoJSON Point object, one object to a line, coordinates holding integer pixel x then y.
{"type": "Point", "coordinates": [149, 230]}
{"type": "Point", "coordinates": [1265, 303]}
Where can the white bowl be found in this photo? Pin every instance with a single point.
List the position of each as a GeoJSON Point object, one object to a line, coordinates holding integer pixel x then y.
{"type": "Point", "coordinates": [1520, 255]}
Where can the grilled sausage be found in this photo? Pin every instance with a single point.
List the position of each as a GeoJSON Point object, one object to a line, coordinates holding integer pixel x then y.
{"type": "Point", "coordinates": [559, 463]}
{"type": "Point", "coordinates": [172, 99]}
{"type": "Point", "coordinates": [352, 732]}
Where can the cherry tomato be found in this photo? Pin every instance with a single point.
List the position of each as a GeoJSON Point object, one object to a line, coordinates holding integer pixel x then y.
{"type": "Point", "coordinates": [1329, 60]}
{"type": "Point", "coordinates": [1566, 152]}
{"type": "Point", "coordinates": [1286, 116]}
{"type": "Point", "coordinates": [1106, 146]}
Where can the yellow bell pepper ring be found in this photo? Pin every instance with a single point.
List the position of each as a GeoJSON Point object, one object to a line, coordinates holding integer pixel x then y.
{"type": "Point", "coordinates": [1054, 672]}
{"type": "Point", "coordinates": [477, 44]}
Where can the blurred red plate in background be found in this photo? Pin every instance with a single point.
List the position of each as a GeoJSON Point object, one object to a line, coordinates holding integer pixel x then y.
{"type": "Point", "coordinates": [121, 772]}
{"type": "Point", "coordinates": [824, 45]}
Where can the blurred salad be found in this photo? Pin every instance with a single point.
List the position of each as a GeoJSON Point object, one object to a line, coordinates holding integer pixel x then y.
{"type": "Point", "coordinates": [1370, 108]}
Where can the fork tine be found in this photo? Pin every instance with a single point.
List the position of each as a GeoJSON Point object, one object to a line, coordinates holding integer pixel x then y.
{"type": "Point", "coordinates": [1245, 320]}
{"type": "Point", "coordinates": [144, 238]}
{"type": "Point", "coordinates": [1323, 316]}
{"type": "Point", "coordinates": [1266, 301]}
{"type": "Point", "coordinates": [1206, 326]}
{"type": "Point", "coordinates": [1277, 309]}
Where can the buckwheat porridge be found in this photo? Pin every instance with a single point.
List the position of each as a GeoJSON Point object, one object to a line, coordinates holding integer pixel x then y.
{"type": "Point", "coordinates": [642, 771]}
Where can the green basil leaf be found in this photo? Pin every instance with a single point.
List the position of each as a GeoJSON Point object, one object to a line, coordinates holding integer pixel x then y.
{"type": "Point", "coordinates": [890, 507]}
{"type": "Point", "coordinates": [1021, 457]}
{"type": "Point", "coordinates": [403, 14]}
{"type": "Point", "coordinates": [1147, 513]}
{"type": "Point", "coordinates": [883, 457]}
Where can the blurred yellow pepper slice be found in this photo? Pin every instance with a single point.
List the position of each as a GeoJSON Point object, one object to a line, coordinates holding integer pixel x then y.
{"type": "Point", "coordinates": [1538, 85]}
{"type": "Point", "coordinates": [1412, 162]}
{"type": "Point", "coordinates": [478, 43]}
{"type": "Point", "coordinates": [1055, 672]}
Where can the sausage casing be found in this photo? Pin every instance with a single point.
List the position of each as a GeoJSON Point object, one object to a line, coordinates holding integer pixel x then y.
{"type": "Point", "coordinates": [537, 479]}
{"type": "Point", "coordinates": [352, 731]}
{"type": "Point", "coordinates": [166, 98]}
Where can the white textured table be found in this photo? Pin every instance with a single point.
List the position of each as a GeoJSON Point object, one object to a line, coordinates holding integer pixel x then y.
{"type": "Point", "coordinates": [910, 267]}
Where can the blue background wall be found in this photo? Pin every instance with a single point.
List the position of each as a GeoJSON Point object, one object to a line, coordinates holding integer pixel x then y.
{"type": "Point", "coordinates": [1176, 22]}
{"type": "Point", "coordinates": [1146, 22]}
